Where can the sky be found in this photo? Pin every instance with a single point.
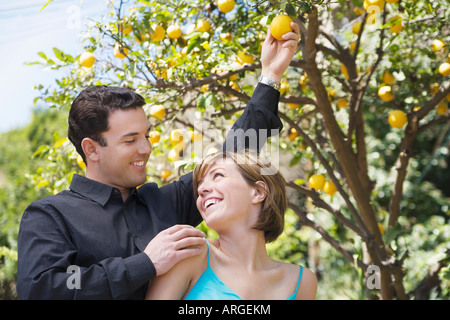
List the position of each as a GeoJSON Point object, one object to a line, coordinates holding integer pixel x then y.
{"type": "Point", "coordinates": [24, 31]}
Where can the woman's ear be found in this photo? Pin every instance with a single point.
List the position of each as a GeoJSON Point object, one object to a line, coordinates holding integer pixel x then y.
{"type": "Point", "coordinates": [90, 149]}
{"type": "Point", "coordinates": [259, 194]}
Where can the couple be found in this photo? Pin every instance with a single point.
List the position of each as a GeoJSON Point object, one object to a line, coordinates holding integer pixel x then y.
{"type": "Point", "coordinates": [116, 237]}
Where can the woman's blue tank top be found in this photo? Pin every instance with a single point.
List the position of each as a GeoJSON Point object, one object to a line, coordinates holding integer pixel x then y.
{"type": "Point", "coordinates": [210, 287]}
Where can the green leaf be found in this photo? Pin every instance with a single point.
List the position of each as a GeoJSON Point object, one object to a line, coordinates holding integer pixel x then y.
{"type": "Point", "coordinates": [201, 102]}
{"type": "Point", "coordinates": [290, 10]}
{"type": "Point", "coordinates": [48, 2]}
{"type": "Point", "coordinates": [42, 55]}
{"type": "Point", "coordinates": [59, 54]}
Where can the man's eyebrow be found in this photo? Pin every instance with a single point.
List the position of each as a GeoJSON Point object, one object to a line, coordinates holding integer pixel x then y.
{"type": "Point", "coordinates": [134, 133]}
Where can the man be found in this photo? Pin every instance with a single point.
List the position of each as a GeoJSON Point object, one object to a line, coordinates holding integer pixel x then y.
{"type": "Point", "coordinates": [104, 238]}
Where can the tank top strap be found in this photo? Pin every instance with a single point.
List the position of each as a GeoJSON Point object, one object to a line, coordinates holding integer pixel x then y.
{"type": "Point", "coordinates": [209, 252]}
{"type": "Point", "coordinates": [299, 279]}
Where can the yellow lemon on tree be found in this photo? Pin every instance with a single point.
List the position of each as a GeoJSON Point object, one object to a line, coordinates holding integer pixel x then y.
{"type": "Point", "coordinates": [245, 58]}
{"type": "Point", "coordinates": [195, 136]}
{"type": "Point", "coordinates": [126, 28]}
{"type": "Point", "coordinates": [176, 136]}
{"type": "Point", "coordinates": [292, 134]}
{"type": "Point", "coordinates": [174, 31]}
{"type": "Point", "coordinates": [158, 33]}
{"type": "Point", "coordinates": [225, 37]}
{"type": "Point", "coordinates": [388, 78]}
{"type": "Point", "coordinates": [344, 71]}
{"type": "Point", "coordinates": [384, 92]}
{"type": "Point", "coordinates": [437, 45]}
{"type": "Point", "coordinates": [317, 181]}
{"type": "Point", "coordinates": [174, 155]}
{"type": "Point", "coordinates": [442, 108]}
{"type": "Point", "coordinates": [444, 69]}
{"type": "Point", "coordinates": [280, 25]}
{"type": "Point", "coordinates": [226, 5]}
{"type": "Point", "coordinates": [391, 1]}
{"type": "Point", "coordinates": [342, 103]}
{"type": "Point", "coordinates": [87, 59]}
{"type": "Point", "coordinates": [158, 111]}
{"type": "Point", "coordinates": [397, 119]}
{"type": "Point", "coordinates": [396, 24]}
{"type": "Point", "coordinates": [120, 52]}
{"type": "Point", "coordinates": [154, 136]}
{"type": "Point", "coordinates": [203, 25]}
{"type": "Point", "coordinates": [80, 162]}
{"type": "Point", "coordinates": [356, 27]}
{"type": "Point", "coordinates": [369, 3]}
{"type": "Point", "coordinates": [330, 188]}
{"type": "Point", "coordinates": [165, 173]}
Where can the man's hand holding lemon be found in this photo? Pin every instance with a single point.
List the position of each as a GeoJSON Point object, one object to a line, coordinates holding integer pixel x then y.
{"type": "Point", "coordinates": [276, 55]}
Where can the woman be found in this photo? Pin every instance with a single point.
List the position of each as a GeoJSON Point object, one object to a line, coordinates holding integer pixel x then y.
{"type": "Point", "coordinates": [246, 209]}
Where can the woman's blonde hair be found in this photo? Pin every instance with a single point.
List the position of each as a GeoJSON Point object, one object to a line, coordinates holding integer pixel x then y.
{"type": "Point", "coordinates": [250, 166]}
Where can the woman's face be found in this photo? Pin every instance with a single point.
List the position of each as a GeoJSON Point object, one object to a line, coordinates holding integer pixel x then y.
{"type": "Point", "coordinates": [224, 196]}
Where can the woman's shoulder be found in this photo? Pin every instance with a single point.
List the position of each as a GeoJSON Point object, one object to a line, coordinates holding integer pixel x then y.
{"type": "Point", "coordinates": [308, 285]}
{"type": "Point", "coordinates": [305, 278]}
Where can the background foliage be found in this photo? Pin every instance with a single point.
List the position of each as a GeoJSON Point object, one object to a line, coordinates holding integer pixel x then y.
{"type": "Point", "coordinates": [204, 79]}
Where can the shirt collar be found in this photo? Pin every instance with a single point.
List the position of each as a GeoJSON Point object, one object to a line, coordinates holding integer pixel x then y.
{"type": "Point", "coordinates": [94, 190]}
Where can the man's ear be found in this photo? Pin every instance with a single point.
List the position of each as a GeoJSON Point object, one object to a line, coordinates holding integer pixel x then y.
{"type": "Point", "coordinates": [259, 194]}
{"type": "Point", "coordinates": [91, 149]}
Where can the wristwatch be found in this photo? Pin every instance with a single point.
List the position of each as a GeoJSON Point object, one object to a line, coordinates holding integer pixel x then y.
{"type": "Point", "coordinates": [270, 82]}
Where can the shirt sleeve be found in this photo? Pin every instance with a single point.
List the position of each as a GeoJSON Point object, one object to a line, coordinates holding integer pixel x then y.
{"type": "Point", "coordinates": [45, 252]}
{"type": "Point", "coordinates": [258, 122]}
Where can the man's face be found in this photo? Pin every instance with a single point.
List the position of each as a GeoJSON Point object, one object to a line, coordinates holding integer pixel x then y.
{"type": "Point", "coordinates": [123, 160]}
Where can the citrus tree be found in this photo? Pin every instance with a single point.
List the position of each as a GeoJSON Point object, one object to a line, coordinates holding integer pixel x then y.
{"type": "Point", "coordinates": [364, 105]}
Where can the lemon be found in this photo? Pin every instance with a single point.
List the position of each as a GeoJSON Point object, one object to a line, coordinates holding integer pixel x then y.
{"type": "Point", "coordinates": [125, 28]}
{"type": "Point", "coordinates": [120, 52]}
{"type": "Point", "coordinates": [396, 24]}
{"type": "Point", "coordinates": [356, 27]}
{"type": "Point", "coordinates": [344, 71]}
{"type": "Point", "coordinates": [442, 108]}
{"type": "Point", "coordinates": [154, 136]}
{"type": "Point", "coordinates": [388, 78]}
{"type": "Point", "coordinates": [368, 3]}
{"type": "Point", "coordinates": [158, 33]}
{"type": "Point", "coordinates": [385, 93]}
{"type": "Point", "coordinates": [158, 111]}
{"type": "Point", "coordinates": [165, 174]}
{"type": "Point", "coordinates": [174, 31]}
{"type": "Point", "coordinates": [226, 5]}
{"type": "Point", "coordinates": [176, 136]}
{"type": "Point", "coordinates": [203, 25]}
{"type": "Point", "coordinates": [87, 59]}
{"type": "Point", "coordinates": [196, 136]}
{"type": "Point", "coordinates": [280, 25]}
{"type": "Point", "coordinates": [329, 188]}
{"type": "Point", "coordinates": [317, 181]}
{"type": "Point", "coordinates": [397, 119]}
{"type": "Point", "coordinates": [80, 162]}
{"type": "Point", "coordinates": [173, 155]}
{"type": "Point", "coordinates": [342, 103]}
{"type": "Point", "coordinates": [444, 69]}
{"type": "Point", "coordinates": [245, 58]}
{"type": "Point", "coordinates": [292, 134]}
{"type": "Point", "coordinates": [437, 45]}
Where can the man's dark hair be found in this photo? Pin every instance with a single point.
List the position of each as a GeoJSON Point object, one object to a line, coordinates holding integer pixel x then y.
{"type": "Point", "coordinates": [89, 114]}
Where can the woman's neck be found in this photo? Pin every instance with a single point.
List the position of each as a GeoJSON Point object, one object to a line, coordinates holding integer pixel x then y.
{"type": "Point", "coordinates": [244, 247]}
